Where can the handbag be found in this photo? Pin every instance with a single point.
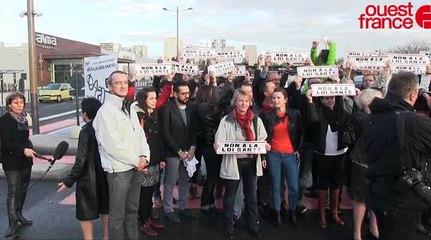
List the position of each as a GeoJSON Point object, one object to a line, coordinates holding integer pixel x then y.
{"type": "Point", "coordinates": [412, 177]}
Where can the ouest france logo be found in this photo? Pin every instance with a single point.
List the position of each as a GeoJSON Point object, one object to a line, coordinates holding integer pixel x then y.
{"type": "Point", "coordinates": [401, 16]}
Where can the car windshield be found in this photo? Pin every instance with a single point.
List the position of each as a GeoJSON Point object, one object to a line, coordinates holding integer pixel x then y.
{"type": "Point", "coordinates": [52, 87]}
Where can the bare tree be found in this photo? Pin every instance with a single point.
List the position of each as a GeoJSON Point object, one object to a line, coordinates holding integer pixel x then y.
{"type": "Point", "coordinates": [412, 47]}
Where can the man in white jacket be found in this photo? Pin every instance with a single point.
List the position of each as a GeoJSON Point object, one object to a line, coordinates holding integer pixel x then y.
{"type": "Point", "coordinates": [124, 152]}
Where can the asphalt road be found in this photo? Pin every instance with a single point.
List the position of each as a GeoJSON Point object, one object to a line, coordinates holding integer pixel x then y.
{"type": "Point", "coordinates": [52, 111]}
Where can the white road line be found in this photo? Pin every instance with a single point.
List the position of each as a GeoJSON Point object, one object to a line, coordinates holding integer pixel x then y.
{"type": "Point", "coordinates": [63, 129]}
{"type": "Point", "coordinates": [58, 115]}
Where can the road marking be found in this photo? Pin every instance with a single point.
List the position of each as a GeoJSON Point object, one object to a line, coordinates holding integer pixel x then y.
{"type": "Point", "coordinates": [63, 129]}
{"type": "Point", "coordinates": [58, 115]}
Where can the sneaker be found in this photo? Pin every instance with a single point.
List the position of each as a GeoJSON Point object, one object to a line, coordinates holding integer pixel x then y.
{"type": "Point", "coordinates": [173, 217]}
{"type": "Point", "coordinates": [146, 228]}
{"type": "Point", "coordinates": [187, 213]}
{"type": "Point", "coordinates": [301, 209]}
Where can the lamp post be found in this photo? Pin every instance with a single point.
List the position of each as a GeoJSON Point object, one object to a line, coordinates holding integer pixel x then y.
{"type": "Point", "coordinates": [178, 28]}
{"type": "Point", "coordinates": [32, 64]}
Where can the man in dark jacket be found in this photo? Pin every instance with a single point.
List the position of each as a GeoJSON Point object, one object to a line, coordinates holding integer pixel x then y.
{"type": "Point", "coordinates": [396, 206]}
{"type": "Point", "coordinates": [179, 135]}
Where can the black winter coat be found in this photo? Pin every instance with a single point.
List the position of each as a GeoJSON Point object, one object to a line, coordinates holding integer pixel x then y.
{"type": "Point", "coordinates": [295, 126]}
{"type": "Point", "coordinates": [13, 141]}
{"type": "Point", "coordinates": [154, 136]}
{"type": "Point", "coordinates": [92, 196]}
{"type": "Point", "coordinates": [384, 153]}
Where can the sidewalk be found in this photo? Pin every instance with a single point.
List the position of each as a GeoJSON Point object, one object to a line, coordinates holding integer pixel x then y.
{"type": "Point", "coordinates": [45, 144]}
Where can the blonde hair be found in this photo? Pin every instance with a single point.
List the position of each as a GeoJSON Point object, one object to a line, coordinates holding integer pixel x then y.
{"type": "Point", "coordinates": [366, 97]}
{"type": "Point", "coordinates": [238, 92]}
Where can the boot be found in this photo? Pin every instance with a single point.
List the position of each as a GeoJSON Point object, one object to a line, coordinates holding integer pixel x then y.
{"type": "Point", "coordinates": [12, 207]}
{"type": "Point", "coordinates": [335, 196]}
{"type": "Point", "coordinates": [322, 200]}
{"type": "Point", "coordinates": [23, 221]}
{"type": "Point", "coordinates": [292, 217]}
{"type": "Point", "coordinates": [12, 230]}
{"type": "Point", "coordinates": [278, 222]}
{"type": "Point", "coordinates": [23, 193]}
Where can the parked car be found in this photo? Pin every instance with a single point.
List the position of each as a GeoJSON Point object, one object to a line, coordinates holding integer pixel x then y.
{"type": "Point", "coordinates": [55, 92]}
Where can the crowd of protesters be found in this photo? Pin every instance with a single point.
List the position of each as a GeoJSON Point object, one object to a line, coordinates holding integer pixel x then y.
{"type": "Point", "coordinates": [183, 118]}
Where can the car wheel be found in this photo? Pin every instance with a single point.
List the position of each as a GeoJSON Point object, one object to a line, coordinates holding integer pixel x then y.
{"type": "Point", "coordinates": [59, 98]}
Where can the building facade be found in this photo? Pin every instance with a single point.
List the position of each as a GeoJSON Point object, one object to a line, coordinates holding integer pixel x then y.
{"type": "Point", "coordinates": [250, 53]}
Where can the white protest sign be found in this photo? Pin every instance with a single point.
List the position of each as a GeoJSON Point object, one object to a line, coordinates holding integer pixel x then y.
{"type": "Point", "coordinates": [361, 54]}
{"type": "Point", "coordinates": [96, 72]}
{"type": "Point", "coordinates": [241, 147]}
{"type": "Point", "coordinates": [419, 69]}
{"type": "Point", "coordinates": [151, 69]}
{"type": "Point", "coordinates": [368, 62]}
{"type": "Point", "coordinates": [409, 59]}
{"type": "Point", "coordinates": [240, 70]}
{"type": "Point", "coordinates": [198, 53]}
{"type": "Point", "coordinates": [427, 53]}
{"type": "Point", "coordinates": [184, 68]}
{"type": "Point", "coordinates": [236, 55]}
{"type": "Point", "coordinates": [317, 72]}
{"type": "Point", "coordinates": [319, 90]}
{"type": "Point", "coordinates": [289, 56]}
{"type": "Point", "coordinates": [220, 69]}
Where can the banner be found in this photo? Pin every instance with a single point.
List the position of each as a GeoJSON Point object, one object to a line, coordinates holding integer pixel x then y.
{"type": "Point", "coordinates": [96, 72]}
{"type": "Point", "coordinates": [361, 54]}
{"type": "Point", "coordinates": [369, 62]}
{"type": "Point", "coordinates": [198, 53]}
{"type": "Point", "coordinates": [220, 69]}
{"type": "Point", "coordinates": [317, 72]}
{"type": "Point", "coordinates": [319, 90]}
{"type": "Point", "coordinates": [289, 56]}
{"type": "Point", "coordinates": [426, 53]}
{"type": "Point", "coordinates": [409, 59]}
{"type": "Point", "coordinates": [152, 69]}
{"type": "Point", "coordinates": [241, 147]}
{"type": "Point", "coordinates": [236, 55]}
{"type": "Point", "coordinates": [184, 68]}
{"type": "Point", "coordinates": [408, 68]}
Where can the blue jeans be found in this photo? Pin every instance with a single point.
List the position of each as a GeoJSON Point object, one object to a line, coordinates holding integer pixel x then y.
{"type": "Point", "coordinates": [287, 163]}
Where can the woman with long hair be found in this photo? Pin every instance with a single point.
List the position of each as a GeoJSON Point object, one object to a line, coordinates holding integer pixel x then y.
{"type": "Point", "coordinates": [17, 159]}
{"type": "Point", "coordinates": [285, 137]}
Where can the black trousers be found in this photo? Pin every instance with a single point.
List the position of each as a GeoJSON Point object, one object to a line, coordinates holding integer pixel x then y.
{"type": "Point", "coordinates": [212, 162]}
{"type": "Point", "coordinates": [17, 184]}
{"type": "Point", "coordinates": [145, 203]}
{"type": "Point", "coordinates": [397, 224]}
{"type": "Point", "coordinates": [247, 171]}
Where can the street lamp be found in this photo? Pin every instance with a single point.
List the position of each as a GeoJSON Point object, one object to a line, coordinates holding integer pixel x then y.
{"type": "Point", "coordinates": [32, 63]}
{"type": "Point", "coordinates": [178, 29]}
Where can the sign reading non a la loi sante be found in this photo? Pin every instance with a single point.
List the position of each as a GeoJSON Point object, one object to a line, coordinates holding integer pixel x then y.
{"type": "Point", "coordinates": [317, 72]}
{"type": "Point", "coordinates": [319, 90]}
{"type": "Point", "coordinates": [222, 68]}
{"type": "Point", "coordinates": [241, 147]}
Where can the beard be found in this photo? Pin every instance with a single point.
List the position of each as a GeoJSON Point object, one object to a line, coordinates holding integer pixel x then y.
{"type": "Point", "coordinates": [183, 101]}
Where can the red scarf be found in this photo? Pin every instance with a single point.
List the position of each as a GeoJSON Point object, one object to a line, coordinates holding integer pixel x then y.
{"type": "Point", "coordinates": [244, 120]}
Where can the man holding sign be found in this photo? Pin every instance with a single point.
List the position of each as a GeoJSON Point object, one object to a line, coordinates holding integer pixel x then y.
{"type": "Point", "coordinates": [241, 125]}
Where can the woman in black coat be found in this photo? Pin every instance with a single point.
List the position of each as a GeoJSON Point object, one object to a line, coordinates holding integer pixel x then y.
{"type": "Point", "coordinates": [92, 194]}
{"type": "Point", "coordinates": [17, 159]}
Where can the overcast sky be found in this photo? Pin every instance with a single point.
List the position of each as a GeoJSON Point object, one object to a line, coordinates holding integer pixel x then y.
{"type": "Point", "coordinates": [270, 24]}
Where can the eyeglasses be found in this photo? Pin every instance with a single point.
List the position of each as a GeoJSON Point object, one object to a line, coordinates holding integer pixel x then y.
{"type": "Point", "coordinates": [184, 93]}
{"type": "Point", "coordinates": [120, 83]}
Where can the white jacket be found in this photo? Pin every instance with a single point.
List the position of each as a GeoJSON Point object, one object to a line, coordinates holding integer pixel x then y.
{"type": "Point", "coordinates": [121, 138]}
{"type": "Point", "coordinates": [226, 131]}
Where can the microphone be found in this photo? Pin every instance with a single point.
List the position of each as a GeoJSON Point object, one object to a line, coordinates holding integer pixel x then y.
{"type": "Point", "coordinates": [60, 150]}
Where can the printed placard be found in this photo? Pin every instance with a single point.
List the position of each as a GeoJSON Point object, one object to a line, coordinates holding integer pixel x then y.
{"type": "Point", "coordinates": [152, 69]}
{"type": "Point", "coordinates": [294, 57]}
{"type": "Point", "coordinates": [369, 62]}
{"type": "Point", "coordinates": [198, 53]}
{"type": "Point", "coordinates": [419, 69]}
{"type": "Point", "coordinates": [319, 90]}
{"type": "Point", "coordinates": [185, 68]}
{"type": "Point", "coordinates": [361, 54]}
{"type": "Point", "coordinates": [409, 59]}
{"type": "Point", "coordinates": [96, 72]}
{"type": "Point", "coordinates": [236, 55]}
{"type": "Point", "coordinates": [317, 72]}
{"type": "Point", "coordinates": [240, 70]}
{"type": "Point", "coordinates": [220, 69]}
{"type": "Point", "coordinates": [241, 147]}
{"type": "Point", "coordinates": [426, 53]}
